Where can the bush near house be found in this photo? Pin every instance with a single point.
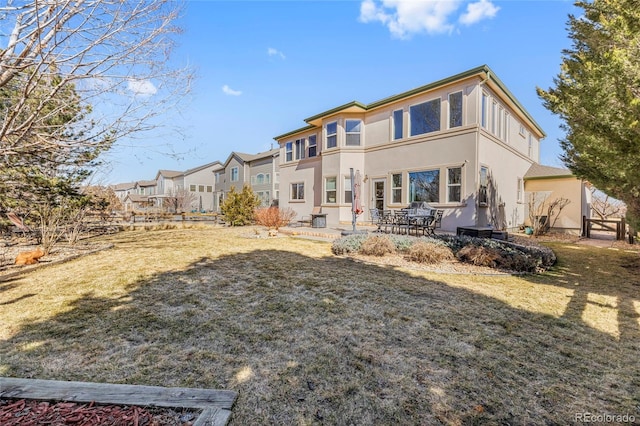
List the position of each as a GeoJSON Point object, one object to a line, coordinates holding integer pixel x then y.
{"type": "Point", "coordinates": [274, 217]}
{"type": "Point", "coordinates": [239, 207]}
{"type": "Point", "coordinates": [477, 251]}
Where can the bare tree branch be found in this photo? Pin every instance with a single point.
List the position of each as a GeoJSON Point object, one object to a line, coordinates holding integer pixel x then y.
{"type": "Point", "coordinates": [113, 54]}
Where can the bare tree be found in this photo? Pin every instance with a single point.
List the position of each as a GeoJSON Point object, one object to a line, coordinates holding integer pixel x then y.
{"type": "Point", "coordinates": [113, 54]}
{"type": "Point", "coordinates": [543, 213]}
{"type": "Point", "coordinates": [179, 200]}
{"type": "Point", "coordinates": [605, 206]}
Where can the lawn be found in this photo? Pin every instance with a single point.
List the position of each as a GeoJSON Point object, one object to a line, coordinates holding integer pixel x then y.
{"type": "Point", "coordinates": [306, 337]}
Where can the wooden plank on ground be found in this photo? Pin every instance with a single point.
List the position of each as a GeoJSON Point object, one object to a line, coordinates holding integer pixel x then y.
{"type": "Point", "coordinates": [105, 393]}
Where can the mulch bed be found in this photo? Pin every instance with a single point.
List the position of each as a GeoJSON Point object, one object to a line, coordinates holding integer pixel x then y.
{"type": "Point", "coordinates": [25, 412]}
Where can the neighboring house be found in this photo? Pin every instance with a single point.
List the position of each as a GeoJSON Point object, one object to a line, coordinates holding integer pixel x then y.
{"type": "Point", "coordinates": [123, 189]}
{"type": "Point", "coordinates": [195, 184]}
{"type": "Point", "coordinates": [545, 184]}
{"type": "Point", "coordinates": [463, 144]}
{"type": "Point", "coordinates": [146, 187]}
{"type": "Point", "coordinates": [136, 203]}
{"type": "Point", "coordinates": [259, 171]}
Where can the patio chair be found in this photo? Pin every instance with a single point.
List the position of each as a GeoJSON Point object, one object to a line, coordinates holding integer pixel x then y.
{"type": "Point", "coordinates": [376, 218]}
{"type": "Point", "coordinates": [429, 229]}
{"type": "Point", "coordinates": [307, 220]}
{"type": "Point", "coordinates": [401, 222]}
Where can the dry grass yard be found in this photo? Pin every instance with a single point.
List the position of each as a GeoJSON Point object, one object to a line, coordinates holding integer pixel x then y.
{"type": "Point", "coordinates": [306, 337]}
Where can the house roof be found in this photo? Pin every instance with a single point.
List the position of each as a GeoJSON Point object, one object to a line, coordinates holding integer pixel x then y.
{"type": "Point", "coordinates": [246, 158]}
{"type": "Point", "coordinates": [147, 183]}
{"type": "Point", "coordinates": [169, 173]}
{"type": "Point", "coordinates": [124, 186]}
{"type": "Point", "coordinates": [137, 198]}
{"type": "Point", "coordinates": [204, 166]}
{"type": "Point", "coordinates": [483, 72]}
{"type": "Point", "coordinates": [538, 171]}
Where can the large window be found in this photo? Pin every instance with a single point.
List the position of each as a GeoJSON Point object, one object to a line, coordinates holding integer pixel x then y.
{"type": "Point", "coordinates": [234, 174]}
{"type": "Point", "coordinates": [348, 194]}
{"type": "Point", "coordinates": [484, 111]}
{"type": "Point", "coordinates": [332, 134]}
{"type": "Point", "coordinates": [397, 124]}
{"type": "Point", "coordinates": [425, 117]}
{"type": "Point", "coordinates": [288, 151]}
{"type": "Point", "coordinates": [264, 198]}
{"type": "Point", "coordinates": [424, 186]}
{"type": "Point", "coordinates": [313, 146]}
{"type": "Point", "coordinates": [455, 109]}
{"type": "Point", "coordinates": [396, 188]}
{"type": "Point", "coordinates": [330, 190]}
{"type": "Point", "coordinates": [299, 154]}
{"type": "Point", "coordinates": [353, 129]}
{"type": "Point", "coordinates": [454, 184]}
{"type": "Point", "coordinates": [297, 191]}
{"type": "Point", "coordinates": [483, 196]}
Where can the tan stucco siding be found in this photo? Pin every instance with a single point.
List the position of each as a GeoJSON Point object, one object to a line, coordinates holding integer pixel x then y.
{"type": "Point", "coordinates": [507, 167]}
{"type": "Point", "coordinates": [571, 188]}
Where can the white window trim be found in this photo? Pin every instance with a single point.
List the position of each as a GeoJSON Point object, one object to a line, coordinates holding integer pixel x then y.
{"type": "Point", "coordinates": [393, 124]}
{"type": "Point", "coordinates": [327, 135]}
{"type": "Point", "coordinates": [291, 192]}
{"type": "Point", "coordinates": [326, 190]}
{"type": "Point", "coordinates": [237, 170]}
{"type": "Point", "coordinates": [360, 133]}
{"type": "Point", "coordinates": [449, 184]}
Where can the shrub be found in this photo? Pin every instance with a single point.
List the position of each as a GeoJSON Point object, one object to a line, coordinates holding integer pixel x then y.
{"type": "Point", "coordinates": [429, 252]}
{"type": "Point", "coordinates": [238, 207]}
{"type": "Point", "coordinates": [480, 256]}
{"type": "Point", "coordinates": [273, 217]}
{"type": "Point", "coordinates": [348, 244]}
{"type": "Point", "coordinates": [377, 246]}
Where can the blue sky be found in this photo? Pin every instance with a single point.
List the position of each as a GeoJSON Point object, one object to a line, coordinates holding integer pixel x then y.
{"type": "Point", "coordinates": [262, 67]}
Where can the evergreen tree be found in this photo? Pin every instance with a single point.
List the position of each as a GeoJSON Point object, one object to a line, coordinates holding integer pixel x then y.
{"type": "Point", "coordinates": [597, 96]}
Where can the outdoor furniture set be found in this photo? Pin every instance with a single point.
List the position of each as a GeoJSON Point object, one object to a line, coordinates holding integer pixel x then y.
{"type": "Point", "coordinates": [408, 220]}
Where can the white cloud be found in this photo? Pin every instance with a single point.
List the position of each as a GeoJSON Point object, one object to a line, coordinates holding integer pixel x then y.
{"type": "Point", "coordinates": [229, 91]}
{"type": "Point", "coordinates": [404, 18]}
{"type": "Point", "coordinates": [142, 87]}
{"type": "Point", "coordinates": [478, 11]}
{"type": "Point", "coordinates": [275, 52]}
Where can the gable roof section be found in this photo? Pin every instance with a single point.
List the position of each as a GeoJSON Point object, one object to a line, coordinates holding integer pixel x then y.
{"type": "Point", "coordinates": [168, 173]}
{"type": "Point", "coordinates": [124, 186]}
{"type": "Point", "coordinates": [204, 166]}
{"type": "Point", "coordinates": [483, 72]}
{"type": "Point", "coordinates": [147, 183]}
{"type": "Point", "coordinates": [246, 158]}
{"type": "Point", "coordinates": [538, 171]}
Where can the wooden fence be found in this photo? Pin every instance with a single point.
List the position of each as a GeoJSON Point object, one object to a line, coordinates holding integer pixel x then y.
{"type": "Point", "coordinates": [618, 226]}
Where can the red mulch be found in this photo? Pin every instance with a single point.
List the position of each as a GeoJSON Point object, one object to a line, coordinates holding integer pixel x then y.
{"type": "Point", "coordinates": [30, 413]}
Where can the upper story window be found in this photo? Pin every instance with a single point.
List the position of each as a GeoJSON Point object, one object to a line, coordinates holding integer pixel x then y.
{"type": "Point", "coordinates": [299, 152]}
{"type": "Point", "coordinates": [484, 111]}
{"type": "Point", "coordinates": [288, 151]}
{"type": "Point", "coordinates": [494, 116]}
{"type": "Point", "coordinates": [506, 120]}
{"type": "Point", "coordinates": [313, 147]}
{"type": "Point", "coordinates": [332, 134]}
{"type": "Point", "coordinates": [259, 179]}
{"type": "Point", "coordinates": [530, 147]}
{"type": "Point", "coordinates": [353, 129]}
{"type": "Point", "coordinates": [192, 188]}
{"type": "Point", "coordinates": [398, 116]}
{"type": "Point", "coordinates": [425, 117]}
{"type": "Point", "coordinates": [209, 188]}
{"type": "Point", "coordinates": [234, 174]}
{"type": "Point", "coordinates": [455, 110]}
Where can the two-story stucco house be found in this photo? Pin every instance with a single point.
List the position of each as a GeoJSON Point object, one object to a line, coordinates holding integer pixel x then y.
{"type": "Point", "coordinates": [259, 171]}
{"type": "Point", "coordinates": [463, 144]}
{"type": "Point", "coordinates": [198, 181]}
